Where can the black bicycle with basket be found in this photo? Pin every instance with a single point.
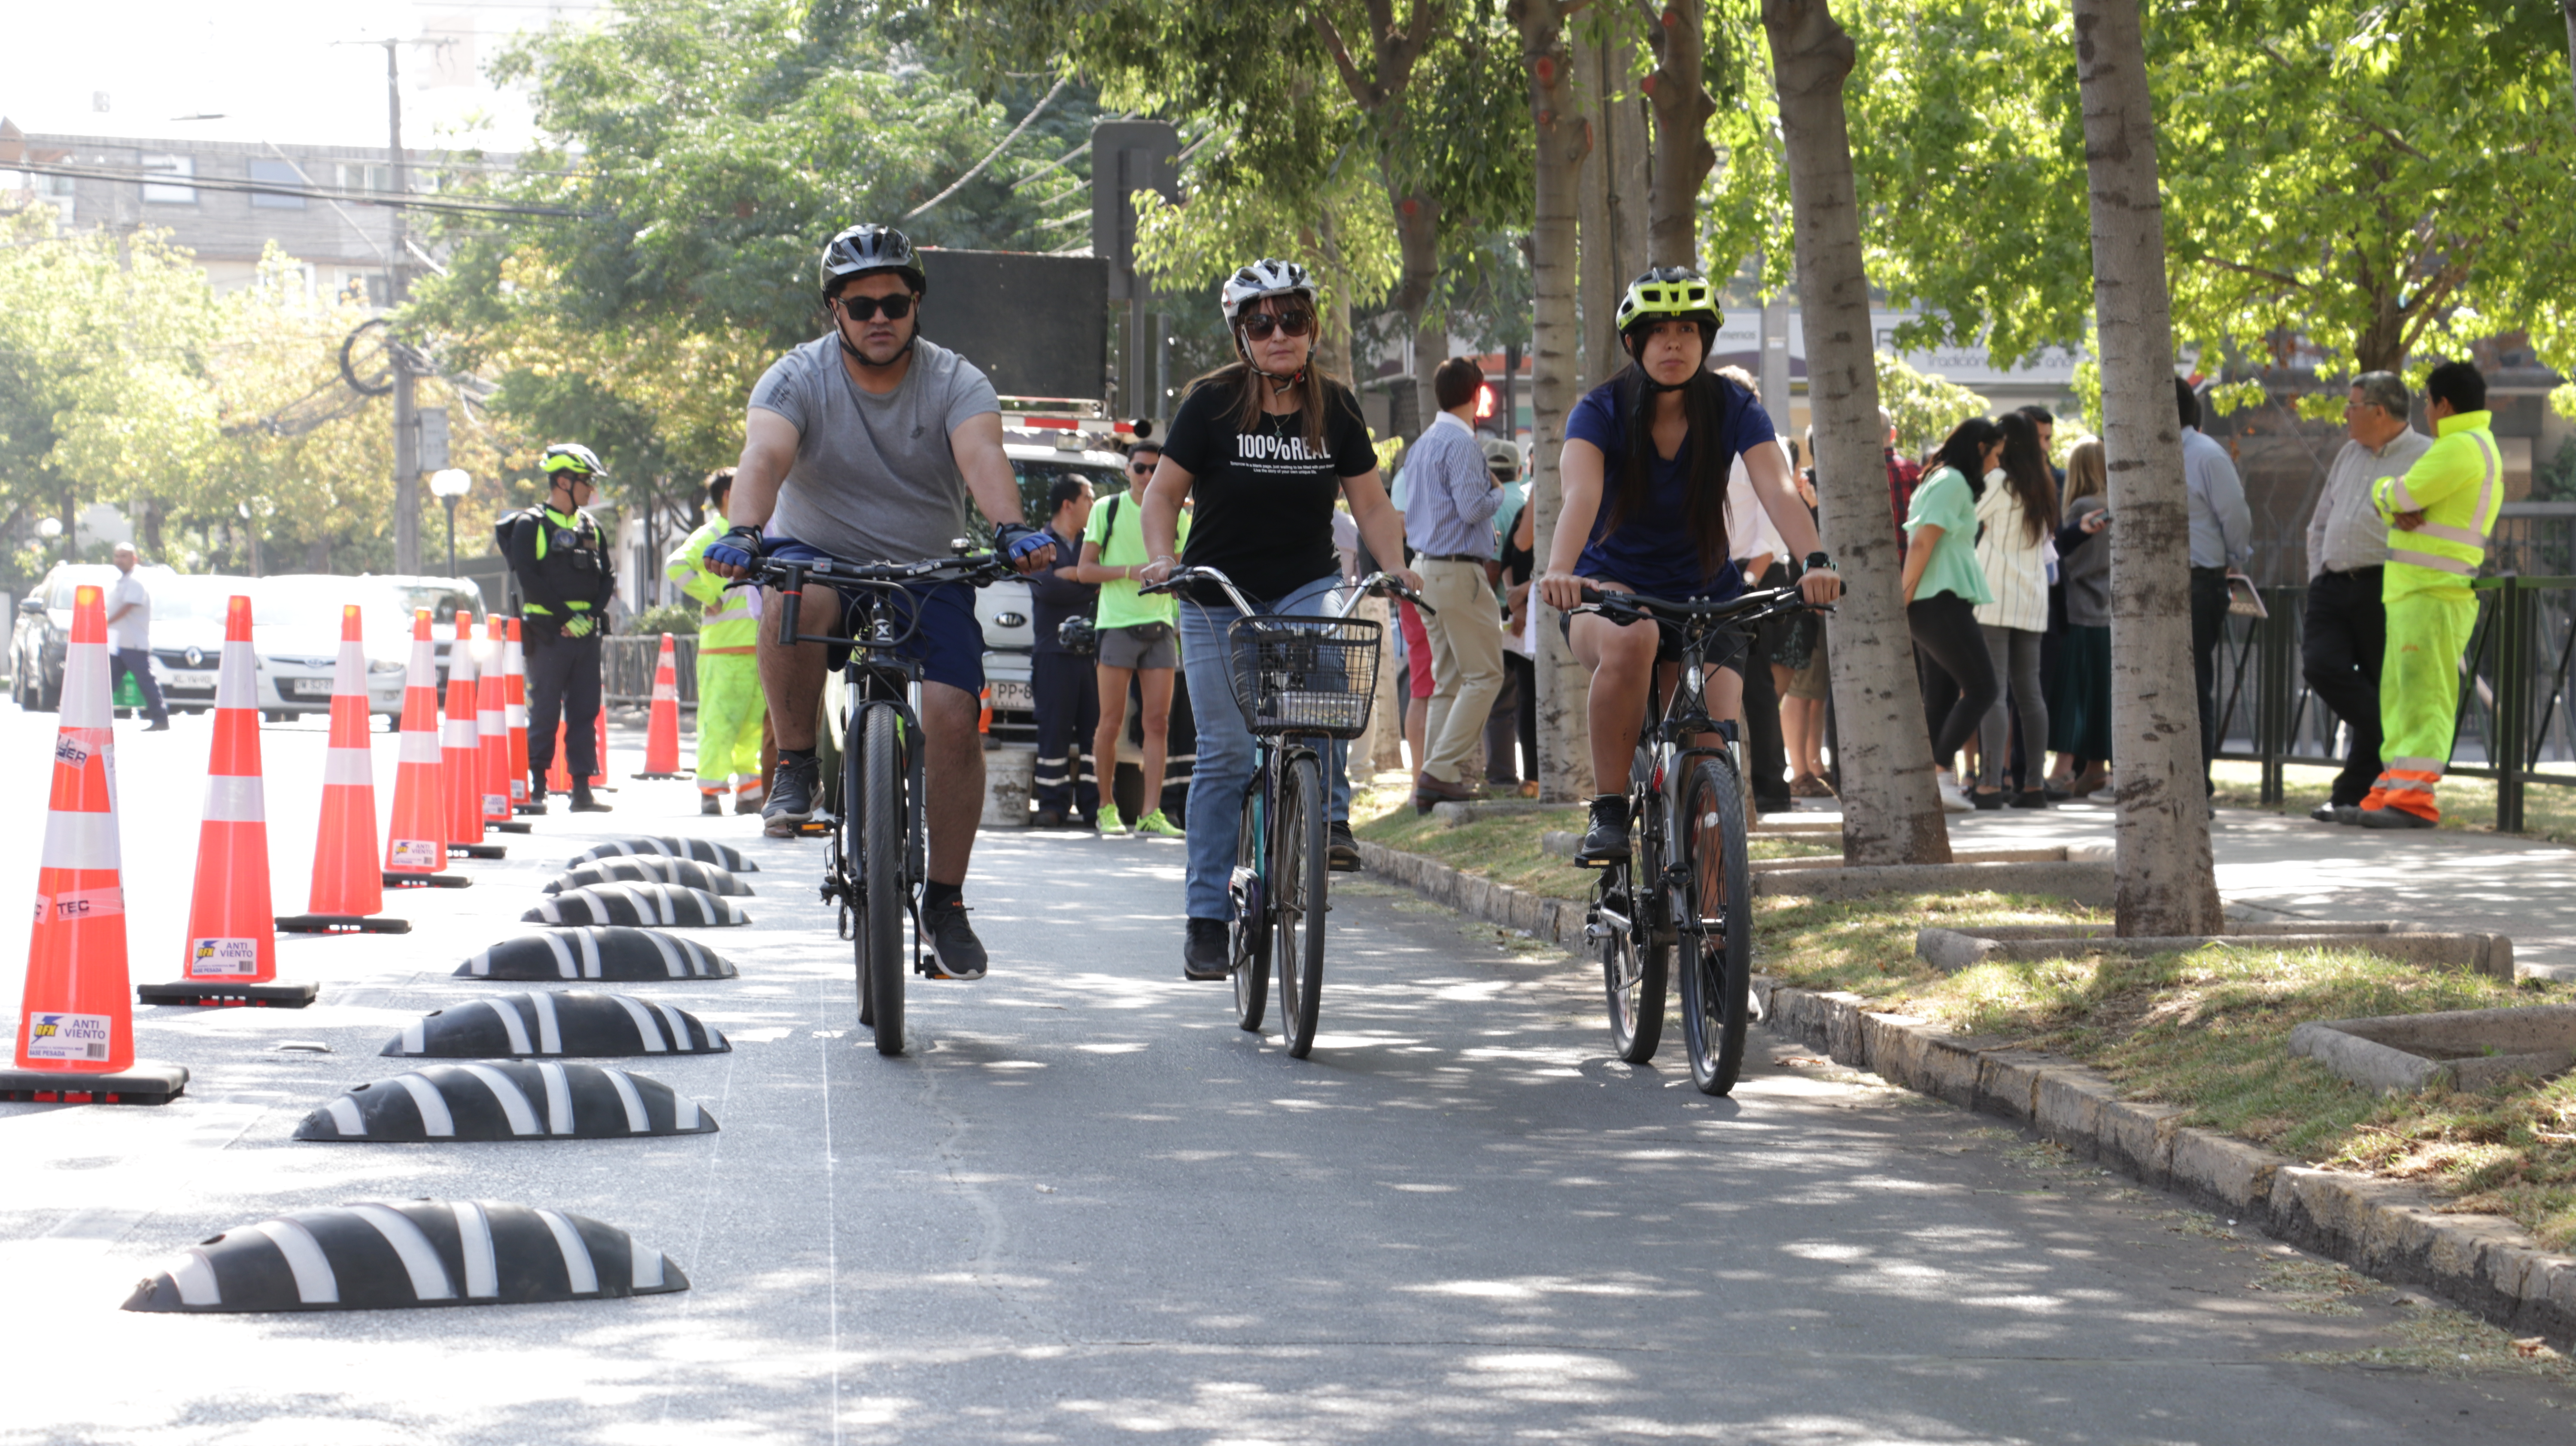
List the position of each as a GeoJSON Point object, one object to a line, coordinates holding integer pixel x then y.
{"type": "Point", "coordinates": [1685, 887]}
{"type": "Point", "coordinates": [1301, 683]}
{"type": "Point", "coordinates": [877, 859]}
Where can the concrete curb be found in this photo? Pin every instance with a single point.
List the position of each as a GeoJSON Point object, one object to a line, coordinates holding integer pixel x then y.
{"type": "Point", "coordinates": [2482, 1263]}
{"type": "Point", "coordinates": [1951, 950]}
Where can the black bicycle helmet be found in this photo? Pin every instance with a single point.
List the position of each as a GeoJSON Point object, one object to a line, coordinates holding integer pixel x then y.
{"type": "Point", "coordinates": [869, 247]}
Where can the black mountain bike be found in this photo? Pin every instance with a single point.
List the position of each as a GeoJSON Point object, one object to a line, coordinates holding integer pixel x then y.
{"type": "Point", "coordinates": [1301, 683]}
{"type": "Point", "coordinates": [1685, 888]}
{"type": "Point", "coordinates": [877, 859]}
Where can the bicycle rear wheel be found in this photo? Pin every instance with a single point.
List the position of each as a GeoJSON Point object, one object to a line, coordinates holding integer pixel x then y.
{"type": "Point", "coordinates": [1714, 908]}
{"type": "Point", "coordinates": [1248, 935]}
{"type": "Point", "coordinates": [883, 775]}
{"type": "Point", "coordinates": [1633, 975]}
{"type": "Point", "coordinates": [1297, 883]}
{"type": "Point", "coordinates": [841, 860]}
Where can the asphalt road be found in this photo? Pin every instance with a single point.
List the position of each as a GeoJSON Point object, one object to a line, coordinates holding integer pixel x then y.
{"type": "Point", "coordinates": [1087, 1207]}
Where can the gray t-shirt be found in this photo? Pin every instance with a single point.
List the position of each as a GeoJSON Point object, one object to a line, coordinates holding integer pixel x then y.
{"type": "Point", "coordinates": [132, 633]}
{"type": "Point", "coordinates": [874, 479]}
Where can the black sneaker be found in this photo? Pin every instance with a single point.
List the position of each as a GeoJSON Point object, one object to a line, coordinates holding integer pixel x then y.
{"type": "Point", "coordinates": [1606, 839]}
{"type": "Point", "coordinates": [1204, 951]}
{"type": "Point", "coordinates": [711, 804]}
{"type": "Point", "coordinates": [791, 796]}
{"type": "Point", "coordinates": [955, 952]}
{"type": "Point", "coordinates": [1341, 851]}
{"type": "Point", "coordinates": [582, 802]}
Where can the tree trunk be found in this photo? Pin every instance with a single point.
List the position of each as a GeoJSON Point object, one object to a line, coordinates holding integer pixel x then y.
{"type": "Point", "coordinates": [1333, 347]}
{"type": "Point", "coordinates": [1614, 183]}
{"type": "Point", "coordinates": [1564, 760]}
{"type": "Point", "coordinates": [2165, 882]}
{"type": "Point", "coordinates": [1417, 237]}
{"type": "Point", "coordinates": [1891, 811]}
{"type": "Point", "coordinates": [2569, 8]}
{"type": "Point", "coordinates": [1683, 155]}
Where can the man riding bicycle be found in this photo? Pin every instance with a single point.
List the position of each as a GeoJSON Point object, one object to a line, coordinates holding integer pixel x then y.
{"type": "Point", "coordinates": [864, 445]}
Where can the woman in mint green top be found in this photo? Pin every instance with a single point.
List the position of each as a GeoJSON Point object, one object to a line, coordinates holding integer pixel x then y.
{"type": "Point", "coordinates": [1943, 585]}
{"type": "Point", "coordinates": [1139, 636]}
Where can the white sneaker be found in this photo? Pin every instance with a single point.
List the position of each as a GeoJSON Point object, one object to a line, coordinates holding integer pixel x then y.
{"type": "Point", "coordinates": [1952, 800]}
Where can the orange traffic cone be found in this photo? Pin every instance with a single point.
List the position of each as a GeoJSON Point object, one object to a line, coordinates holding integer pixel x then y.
{"type": "Point", "coordinates": [559, 772]}
{"type": "Point", "coordinates": [348, 886]}
{"type": "Point", "coordinates": [599, 754]}
{"type": "Point", "coordinates": [492, 729]}
{"type": "Point", "coordinates": [515, 699]}
{"type": "Point", "coordinates": [232, 923]}
{"type": "Point", "coordinates": [76, 1026]}
{"type": "Point", "coordinates": [460, 754]}
{"type": "Point", "coordinates": [662, 730]}
{"type": "Point", "coordinates": [417, 845]}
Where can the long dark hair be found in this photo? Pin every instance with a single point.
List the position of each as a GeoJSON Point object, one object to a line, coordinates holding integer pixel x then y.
{"type": "Point", "coordinates": [1965, 449]}
{"type": "Point", "coordinates": [2026, 472]}
{"type": "Point", "coordinates": [1704, 399]}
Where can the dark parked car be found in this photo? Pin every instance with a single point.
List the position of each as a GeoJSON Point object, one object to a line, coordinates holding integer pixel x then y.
{"type": "Point", "coordinates": [39, 641]}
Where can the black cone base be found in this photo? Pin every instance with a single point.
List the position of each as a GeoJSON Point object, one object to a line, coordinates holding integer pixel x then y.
{"type": "Point", "coordinates": [149, 1082]}
{"type": "Point", "coordinates": [478, 851]}
{"type": "Point", "coordinates": [225, 994]}
{"type": "Point", "coordinates": [341, 924]}
{"type": "Point", "coordinates": [491, 827]}
{"type": "Point", "coordinates": [427, 881]}
{"type": "Point", "coordinates": [661, 775]}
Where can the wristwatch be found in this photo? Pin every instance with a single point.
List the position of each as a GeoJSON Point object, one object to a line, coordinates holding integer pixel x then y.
{"type": "Point", "coordinates": [1819, 559]}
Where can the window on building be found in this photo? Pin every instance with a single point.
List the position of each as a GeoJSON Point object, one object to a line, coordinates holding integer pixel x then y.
{"type": "Point", "coordinates": [162, 192]}
{"type": "Point", "coordinates": [355, 176]}
{"type": "Point", "coordinates": [370, 288]}
{"type": "Point", "coordinates": [276, 173]}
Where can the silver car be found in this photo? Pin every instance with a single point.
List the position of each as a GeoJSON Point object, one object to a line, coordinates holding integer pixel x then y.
{"type": "Point", "coordinates": [296, 632]}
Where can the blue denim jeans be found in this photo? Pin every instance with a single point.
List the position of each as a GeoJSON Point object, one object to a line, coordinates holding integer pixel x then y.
{"type": "Point", "coordinates": [1225, 746]}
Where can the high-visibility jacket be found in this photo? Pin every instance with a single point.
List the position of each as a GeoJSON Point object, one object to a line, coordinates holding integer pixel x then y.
{"type": "Point", "coordinates": [2458, 484]}
{"type": "Point", "coordinates": [729, 623]}
{"type": "Point", "coordinates": [560, 561]}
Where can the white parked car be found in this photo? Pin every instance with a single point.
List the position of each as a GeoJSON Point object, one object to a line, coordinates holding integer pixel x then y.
{"type": "Point", "coordinates": [296, 629]}
{"type": "Point", "coordinates": [188, 634]}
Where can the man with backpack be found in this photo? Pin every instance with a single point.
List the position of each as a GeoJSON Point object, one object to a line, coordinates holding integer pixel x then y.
{"type": "Point", "coordinates": [1139, 637]}
{"type": "Point", "coordinates": [559, 557]}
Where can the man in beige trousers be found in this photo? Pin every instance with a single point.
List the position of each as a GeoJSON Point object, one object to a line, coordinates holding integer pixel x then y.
{"type": "Point", "coordinates": [1448, 521]}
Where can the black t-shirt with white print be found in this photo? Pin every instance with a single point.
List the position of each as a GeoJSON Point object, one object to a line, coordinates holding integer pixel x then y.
{"type": "Point", "coordinates": [1264, 498]}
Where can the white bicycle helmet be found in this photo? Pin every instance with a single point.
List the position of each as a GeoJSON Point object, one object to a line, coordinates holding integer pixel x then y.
{"type": "Point", "coordinates": [1264, 278]}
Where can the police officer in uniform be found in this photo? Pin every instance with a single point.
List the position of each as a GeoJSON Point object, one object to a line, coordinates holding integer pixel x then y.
{"type": "Point", "coordinates": [560, 559]}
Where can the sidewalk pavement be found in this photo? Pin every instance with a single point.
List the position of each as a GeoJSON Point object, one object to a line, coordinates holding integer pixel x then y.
{"type": "Point", "coordinates": [2287, 867]}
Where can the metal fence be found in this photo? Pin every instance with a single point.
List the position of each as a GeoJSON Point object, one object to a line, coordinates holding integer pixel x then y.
{"type": "Point", "coordinates": [628, 663]}
{"type": "Point", "coordinates": [2514, 723]}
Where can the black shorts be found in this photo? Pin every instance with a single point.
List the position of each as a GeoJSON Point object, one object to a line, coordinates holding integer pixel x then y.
{"type": "Point", "coordinates": [949, 644]}
{"type": "Point", "coordinates": [1724, 651]}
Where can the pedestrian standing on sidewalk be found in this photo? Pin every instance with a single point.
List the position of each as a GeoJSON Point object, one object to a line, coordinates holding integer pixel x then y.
{"type": "Point", "coordinates": [2439, 515]}
{"type": "Point", "coordinates": [2079, 705]}
{"type": "Point", "coordinates": [1510, 756]}
{"type": "Point", "coordinates": [1943, 586]}
{"type": "Point", "coordinates": [129, 638]}
{"type": "Point", "coordinates": [1139, 640]}
{"type": "Point", "coordinates": [2016, 522]}
{"type": "Point", "coordinates": [1064, 688]}
{"type": "Point", "coordinates": [731, 710]}
{"type": "Point", "coordinates": [2222, 538]}
{"type": "Point", "coordinates": [2344, 632]}
{"type": "Point", "coordinates": [560, 558]}
{"type": "Point", "coordinates": [1448, 522]}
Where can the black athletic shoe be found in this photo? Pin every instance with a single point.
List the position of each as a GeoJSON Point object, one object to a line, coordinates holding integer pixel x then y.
{"type": "Point", "coordinates": [711, 804]}
{"type": "Point", "coordinates": [2394, 818]}
{"type": "Point", "coordinates": [1204, 951]}
{"type": "Point", "coordinates": [1606, 840]}
{"type": "Point", "coordinates": [955, 952]}
{"type": "Point", "coordinates": [791, 796]}
{"type": "Point", "coordinates": [582, 802]}
{"type": "Point", "coordinates": [1341, 851]}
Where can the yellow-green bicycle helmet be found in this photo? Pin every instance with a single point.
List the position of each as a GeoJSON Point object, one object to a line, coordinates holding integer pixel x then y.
{"type": "Point", "coordinates": [1670, 293]}
{"type": "Point", "coordinates": [575, 458]}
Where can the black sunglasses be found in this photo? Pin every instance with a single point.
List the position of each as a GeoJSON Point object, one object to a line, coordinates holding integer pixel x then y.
{"type": "Point", "coordinates": [1141, 466]}
{"type": "Point", "coordinates": [865, 308]}
{"type": "Point", "coordinates": [1259, 324]}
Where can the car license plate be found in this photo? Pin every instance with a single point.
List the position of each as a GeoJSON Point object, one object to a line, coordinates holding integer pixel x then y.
{"type": "Point", "coordinates": [1010, 693]}
{"type": "Point", "coordinates": [192, 680]}
{"type": "Point", "coordinates": [308, 687]}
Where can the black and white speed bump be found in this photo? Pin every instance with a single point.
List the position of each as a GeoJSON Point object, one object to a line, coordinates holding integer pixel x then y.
{"type": "Point", "coordinates": [652, 869]}
{"type": "Point", "coordinates": [597, 952]}
{"type": "Point", "coordinates": [667, 905]}
{"type": "Point", "coordinates": [505, 1101]}
{"type": "Point", "coordinates": [395, 1254]}
{"type": "Point", "coordinates": [566, 1023]}
{"type": "Point", "coordinates": [705, 851]}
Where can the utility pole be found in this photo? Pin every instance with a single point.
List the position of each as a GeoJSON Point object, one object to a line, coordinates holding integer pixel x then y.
{"type": "Point", "coordinates": [398, 285]}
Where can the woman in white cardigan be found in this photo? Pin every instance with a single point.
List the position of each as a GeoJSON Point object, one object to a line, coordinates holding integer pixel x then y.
{"type": "Point", "coordinates": [2017, 523]}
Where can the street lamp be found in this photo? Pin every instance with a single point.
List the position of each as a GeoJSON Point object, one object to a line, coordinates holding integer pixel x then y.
{"type": "Point", "coordinates": [450, 485]}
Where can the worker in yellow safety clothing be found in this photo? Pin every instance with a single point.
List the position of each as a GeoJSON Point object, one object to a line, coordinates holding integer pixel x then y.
{"type": "Point", "coordinates": [730, 705]}
{"type": "Point", "coordinates": [2439, 514]}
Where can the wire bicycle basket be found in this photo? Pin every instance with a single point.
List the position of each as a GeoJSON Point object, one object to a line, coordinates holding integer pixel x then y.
{"type": "Point", "coordinates": [1305, 675]}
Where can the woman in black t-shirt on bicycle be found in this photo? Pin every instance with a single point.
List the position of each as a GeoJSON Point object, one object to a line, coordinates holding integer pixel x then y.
{"type": "Point", "coordinates": [1265, 445]}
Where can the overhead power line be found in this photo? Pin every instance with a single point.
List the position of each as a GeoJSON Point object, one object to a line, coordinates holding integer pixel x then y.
{"type": "Point", "coordinates": [400, 200]}
{"type": "Point", "coordinates": [990, 156]}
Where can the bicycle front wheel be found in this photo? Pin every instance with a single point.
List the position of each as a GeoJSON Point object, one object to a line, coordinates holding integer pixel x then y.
{"type": "Point", "coordinates": [883, 776]}
{"type": "Point", "coordinates": [1248, 935]}
{"type": "Point", "coordinates": [1713, 907]}
{"type": "Point", "coordinates": [1297, 885]}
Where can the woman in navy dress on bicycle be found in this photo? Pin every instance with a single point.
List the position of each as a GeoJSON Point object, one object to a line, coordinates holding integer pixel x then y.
{"type": "Point", "coordinates": [1644, 471]}
{"type": "Point", "coordinates": [1266, 446]}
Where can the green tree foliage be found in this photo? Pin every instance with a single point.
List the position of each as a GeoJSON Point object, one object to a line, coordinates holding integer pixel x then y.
{"type": "Point", "coordinates": [1926, 406]}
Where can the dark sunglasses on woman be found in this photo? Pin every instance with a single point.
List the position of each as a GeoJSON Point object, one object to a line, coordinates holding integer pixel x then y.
{"type": "Point", "coordinates": [865, 308]}
{"type": "Point", "coordinates": [1259, 324]}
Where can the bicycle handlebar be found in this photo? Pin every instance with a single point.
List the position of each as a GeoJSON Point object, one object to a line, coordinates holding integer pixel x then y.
{"type": "Point", "coordinates": [1376, 584]}
{"type": "Point", "coordinates": [788, 580]}
{"type": "Point", "coordinates": [1742, 609]}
